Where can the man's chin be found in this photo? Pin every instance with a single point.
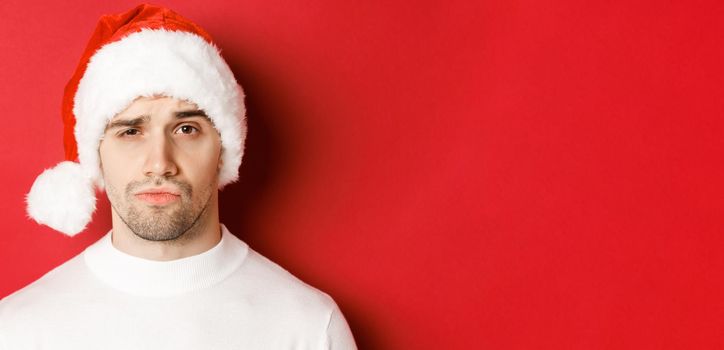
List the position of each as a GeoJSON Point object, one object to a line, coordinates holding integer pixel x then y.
{"type": "Point", "coordinates": [157, 215]}
{"type": "Point", "coordinates": [157, 228]}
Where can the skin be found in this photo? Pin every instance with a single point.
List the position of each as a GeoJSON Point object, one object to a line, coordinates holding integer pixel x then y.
{"type": "Point", "coordinates": [160, 160]}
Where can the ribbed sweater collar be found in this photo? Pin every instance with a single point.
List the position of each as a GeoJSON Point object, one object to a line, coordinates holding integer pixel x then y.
{"type": "Point", "coordinates": [150, 278]}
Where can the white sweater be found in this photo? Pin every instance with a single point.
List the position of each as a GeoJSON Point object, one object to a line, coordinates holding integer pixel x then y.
{"type": "Point", "coordinates": [229, 297]}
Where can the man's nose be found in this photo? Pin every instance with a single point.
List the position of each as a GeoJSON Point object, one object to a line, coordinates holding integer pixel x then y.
{"type": "Point", "coordinates": [160, 157]}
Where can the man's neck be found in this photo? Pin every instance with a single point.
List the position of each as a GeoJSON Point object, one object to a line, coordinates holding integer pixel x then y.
{"type": "Point", "coordinates": [204, 235]}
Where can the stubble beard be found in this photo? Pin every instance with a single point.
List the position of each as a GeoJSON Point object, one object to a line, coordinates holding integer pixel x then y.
{"type": "Point", "coordinates": [157, 223]}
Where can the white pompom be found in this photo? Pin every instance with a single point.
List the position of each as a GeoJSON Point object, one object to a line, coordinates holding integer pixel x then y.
{"type": "Point", "coordinates": [62, 198]}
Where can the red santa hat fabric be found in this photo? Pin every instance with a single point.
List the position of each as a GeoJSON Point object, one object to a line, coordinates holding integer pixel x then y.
{"type": "Point", "coordinates": [146, 51]}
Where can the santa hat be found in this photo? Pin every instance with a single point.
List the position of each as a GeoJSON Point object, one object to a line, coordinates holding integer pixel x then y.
{"type": "Point", "coordinates": [146, 51]}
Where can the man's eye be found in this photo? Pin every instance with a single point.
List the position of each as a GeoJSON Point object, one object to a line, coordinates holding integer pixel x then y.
{"type": "Point", "coordinates": [130, 132]}
{"type": "Point", "coordinates": [187, 129]}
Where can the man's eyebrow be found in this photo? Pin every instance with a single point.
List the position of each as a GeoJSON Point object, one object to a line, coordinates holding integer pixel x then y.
{"type": "Point", "coordinates": [128, 122]}
{"type": "Point", "coordinates": [192, 113]}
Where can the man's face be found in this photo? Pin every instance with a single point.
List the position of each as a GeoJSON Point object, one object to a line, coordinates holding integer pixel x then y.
{"type": "Point", "coordinates": [160, 160]}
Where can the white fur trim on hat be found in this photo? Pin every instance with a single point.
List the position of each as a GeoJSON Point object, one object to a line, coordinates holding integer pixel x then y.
{"type": "Point", "coordinates": [177, 64]}
{"type": "Point", "coordinates": [62, 198]}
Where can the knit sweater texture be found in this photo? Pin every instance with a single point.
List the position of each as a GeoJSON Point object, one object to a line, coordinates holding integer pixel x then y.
{"type": "Point", "coordinates": [229, 297]}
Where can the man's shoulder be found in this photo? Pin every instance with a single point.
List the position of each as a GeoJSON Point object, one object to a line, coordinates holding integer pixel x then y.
{"type": "Point", "coordinates": [268, 282]}
{"type": "Point", "coordinates": [289, 308]}
{"type": "Point", "coordinates": [57, 284]}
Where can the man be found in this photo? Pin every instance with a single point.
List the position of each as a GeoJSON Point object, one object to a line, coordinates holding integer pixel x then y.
{"type": "Point", "coordinates": [155, 117]}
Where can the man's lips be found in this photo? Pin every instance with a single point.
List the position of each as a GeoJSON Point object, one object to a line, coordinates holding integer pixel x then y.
{"type": "Point", "coordinates": [158, 196]}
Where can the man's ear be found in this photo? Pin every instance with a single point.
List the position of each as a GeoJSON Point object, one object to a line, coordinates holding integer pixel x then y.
{"type": "Point", "coordinates": [100, 183]}
{"type": "Point", "coordinates": [221, 161]}
{"type": "Point", "coordinates": [98, 154]}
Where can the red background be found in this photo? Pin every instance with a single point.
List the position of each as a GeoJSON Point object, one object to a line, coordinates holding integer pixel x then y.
{"type": "Point", "coordinates": [456, 174]}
